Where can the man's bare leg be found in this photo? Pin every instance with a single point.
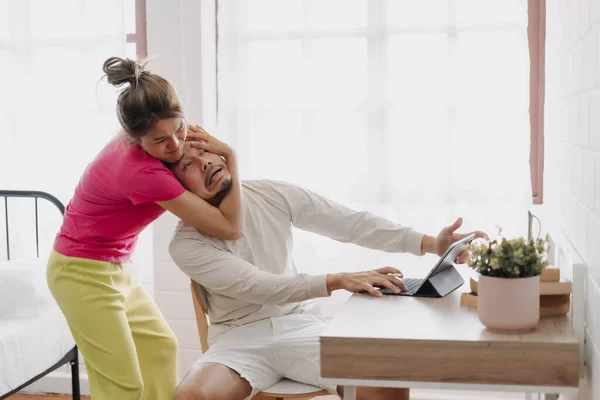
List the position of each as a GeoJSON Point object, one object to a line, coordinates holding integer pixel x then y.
{"type": "Point", "coordinates": [212, 381]}
{"type": "Point", "coordinates": [376, 393]}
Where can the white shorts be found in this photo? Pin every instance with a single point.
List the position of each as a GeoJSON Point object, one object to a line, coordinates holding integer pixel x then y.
{"type": "Point", "coordinates": [266, 351]}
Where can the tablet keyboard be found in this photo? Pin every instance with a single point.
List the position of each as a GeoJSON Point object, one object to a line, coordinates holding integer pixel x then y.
{"type": "Point", "coordinates": [411, 285]}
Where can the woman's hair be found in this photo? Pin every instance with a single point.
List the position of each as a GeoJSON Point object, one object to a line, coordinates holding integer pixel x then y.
{"type": "Point", "coordinates": [147, 99]}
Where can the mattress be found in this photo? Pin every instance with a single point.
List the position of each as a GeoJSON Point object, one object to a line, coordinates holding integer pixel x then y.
{"type": "Point", "coordinates": [30, 346]}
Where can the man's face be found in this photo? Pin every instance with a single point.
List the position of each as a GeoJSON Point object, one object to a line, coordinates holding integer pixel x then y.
{"type": "Point", "coordinates": [202, 173]}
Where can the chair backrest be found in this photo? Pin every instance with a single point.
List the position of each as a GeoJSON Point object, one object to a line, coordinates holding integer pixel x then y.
{"type": "Point", "coordinates": [201, 311]}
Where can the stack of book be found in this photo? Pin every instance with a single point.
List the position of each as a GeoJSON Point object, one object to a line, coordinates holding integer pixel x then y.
{"type": "Point", "coordinates": [555, 293]}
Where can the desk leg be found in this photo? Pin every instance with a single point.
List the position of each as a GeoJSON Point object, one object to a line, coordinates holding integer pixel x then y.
{"type": "Point", "coordinates": [349, 392]}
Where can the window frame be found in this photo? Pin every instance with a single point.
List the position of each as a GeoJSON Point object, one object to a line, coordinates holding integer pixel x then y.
{"type": "Point", "coordinates": [536, 32]}
{"type": "Point", "coordinates": [139, 36]}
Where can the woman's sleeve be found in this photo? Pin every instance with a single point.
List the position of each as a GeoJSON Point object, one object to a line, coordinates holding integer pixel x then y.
{"type": "Point", "coordinates": [154, 183]}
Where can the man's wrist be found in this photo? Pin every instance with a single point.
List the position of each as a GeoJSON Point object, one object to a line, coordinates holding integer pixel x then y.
{"type": "Point", "coordinates": [428, 245]}
{"type": "Point", "coordinates": [333, 282]}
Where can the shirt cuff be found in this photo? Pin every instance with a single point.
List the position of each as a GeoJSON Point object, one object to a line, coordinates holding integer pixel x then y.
{"type": "Point", "coordinates": [412, 241]}
{"type": "Point", "coordinates": [317, 286]}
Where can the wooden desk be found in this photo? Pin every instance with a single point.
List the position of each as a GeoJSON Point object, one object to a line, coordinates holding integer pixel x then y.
{"type": "Point", "coordinates": [398, 341]}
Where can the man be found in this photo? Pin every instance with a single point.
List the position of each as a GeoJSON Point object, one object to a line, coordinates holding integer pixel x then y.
{"type": "Point", "coordinates": [260, 329]}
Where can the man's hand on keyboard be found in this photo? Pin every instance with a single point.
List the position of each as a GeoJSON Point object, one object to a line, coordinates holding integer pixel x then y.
{"type": "Point", "coordinates": [367, 281]}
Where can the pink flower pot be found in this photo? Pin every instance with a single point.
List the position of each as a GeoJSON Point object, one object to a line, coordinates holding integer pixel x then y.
{"type": "Point", "coordinates": [509, 304]}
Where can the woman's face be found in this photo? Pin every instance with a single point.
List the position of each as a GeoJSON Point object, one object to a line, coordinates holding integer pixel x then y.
{"type": "Point", "coordinates": [165, 140]}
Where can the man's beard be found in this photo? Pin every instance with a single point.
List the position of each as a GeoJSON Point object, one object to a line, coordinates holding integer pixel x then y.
{"type": "Point", "coordinates": [218, 198]}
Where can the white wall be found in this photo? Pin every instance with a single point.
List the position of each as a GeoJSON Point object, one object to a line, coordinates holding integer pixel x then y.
{"type": "Point", "coordinates": [572, 134]}
{"type": "Point", "coordinates": [175, 47]}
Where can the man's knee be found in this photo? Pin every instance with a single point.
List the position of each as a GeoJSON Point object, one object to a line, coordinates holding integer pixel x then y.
{"type": "Point", "coordinates": [212, 382]}
{"type": "Point", "coordinates": [188, 392]}
{"type": "Point", "coordinates": [197, 390]}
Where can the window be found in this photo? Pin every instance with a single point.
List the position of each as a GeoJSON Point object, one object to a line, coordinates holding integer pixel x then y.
{"type": "Point", "coordinates": [382, 101]}
{"type": "Point", "coordinates": [55, 116]}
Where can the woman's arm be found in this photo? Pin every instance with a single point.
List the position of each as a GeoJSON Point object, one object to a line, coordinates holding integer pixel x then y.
{"type": "Point", "coordinates": [224, 222]}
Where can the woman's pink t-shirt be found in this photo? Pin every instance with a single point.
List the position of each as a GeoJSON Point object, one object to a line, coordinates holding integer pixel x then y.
{"type": "Point", "coordinates": [113, 202]}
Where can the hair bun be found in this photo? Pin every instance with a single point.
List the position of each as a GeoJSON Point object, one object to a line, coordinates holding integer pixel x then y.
{"type": "Point", "coordinates": [122, 70]}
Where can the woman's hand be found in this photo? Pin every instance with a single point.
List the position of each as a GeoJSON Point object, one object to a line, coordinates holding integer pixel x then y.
{"type": "Point", "coordinates": [203, 140]}
{"type": "Point", "coordinates": [195, 132]}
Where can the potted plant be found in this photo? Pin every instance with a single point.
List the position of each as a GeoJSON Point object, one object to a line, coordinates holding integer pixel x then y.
{"type": "Point", "coordinates": [508, 294]}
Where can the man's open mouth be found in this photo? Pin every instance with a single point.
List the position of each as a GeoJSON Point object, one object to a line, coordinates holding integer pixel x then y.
{"type": "Point", "coordinates": [212, 175]}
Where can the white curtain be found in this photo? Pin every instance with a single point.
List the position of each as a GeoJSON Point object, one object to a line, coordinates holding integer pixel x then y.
{"type": "Point", "coordinates": [415, 109]}
{"type": "Point", "coordinates": [54, 115]}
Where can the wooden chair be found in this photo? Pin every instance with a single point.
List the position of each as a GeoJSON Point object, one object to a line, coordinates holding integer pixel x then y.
{"type": "Point", "coordinates": [284, 389]}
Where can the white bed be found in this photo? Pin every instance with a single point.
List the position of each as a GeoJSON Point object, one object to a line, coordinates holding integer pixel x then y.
{"type": "Point", "coordinates": [30, 346]}
{"type": "Point", "coordinates": [34, 336]}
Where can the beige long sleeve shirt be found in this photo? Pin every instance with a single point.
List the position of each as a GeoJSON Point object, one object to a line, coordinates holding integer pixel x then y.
{"type": "Point", "coordinates": [254, 277]}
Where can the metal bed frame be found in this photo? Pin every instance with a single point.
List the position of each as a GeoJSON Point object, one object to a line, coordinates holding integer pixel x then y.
{"type": "Point", "coordinates": [72, 356]}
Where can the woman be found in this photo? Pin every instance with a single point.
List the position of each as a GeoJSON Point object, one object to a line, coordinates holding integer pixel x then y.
{"type": "Point", "coordinates": [129, 350]}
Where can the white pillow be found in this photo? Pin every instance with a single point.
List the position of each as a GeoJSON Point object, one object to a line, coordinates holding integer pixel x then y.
{"type": "Point", "coordinates": [23, 287]}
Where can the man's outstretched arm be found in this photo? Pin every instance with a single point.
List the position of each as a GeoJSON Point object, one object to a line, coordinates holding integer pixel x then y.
{"type": "Point", "coordinates": [312, 212]}
{"type": "Point", "coordinates": [315, 213]}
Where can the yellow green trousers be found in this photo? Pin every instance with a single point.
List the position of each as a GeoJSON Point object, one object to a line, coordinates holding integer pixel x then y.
{"type": "Point", "coordinates": [129, 350]}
